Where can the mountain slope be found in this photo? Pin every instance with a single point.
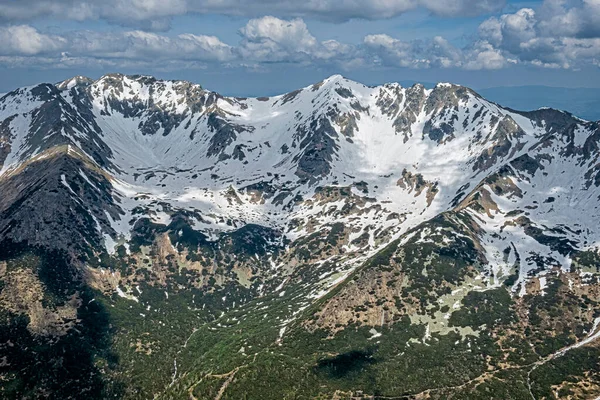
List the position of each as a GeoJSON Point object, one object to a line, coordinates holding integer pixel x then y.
{"type": "Point", "coordinates": [359, 216]}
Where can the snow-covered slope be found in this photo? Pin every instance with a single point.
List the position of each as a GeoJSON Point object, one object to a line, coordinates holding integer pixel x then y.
{"type": "Point", "coordinates": [379, 160]}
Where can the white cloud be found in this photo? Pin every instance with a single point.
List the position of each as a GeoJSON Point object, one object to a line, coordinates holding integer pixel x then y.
{"type": "Point", "coordinates": [270, 39]}
{"type": "Point", "coordinates": [560, 34]}
{"type": "Point", "coordinates": [156, 13]}
{"type": "Point", "coordinates": [389, 51]}
{"type": "Point", "coordinates": [520, 37]}
{"type": "Point", "coordinates": [437, 52]}
{"type": "Point", "coordinates": [273, 39]}
{"type": "Point", "coordinates": [25, 40]}
{"type": "Point", "coordinates": [510, 30]}
{"type": "Point", "coordinates": [575, 18]}
{"type": "Point", "coordinates": [145, 45]}
{"type": "Point", "coordinates": [484, 56]}
{"type": "Point", "coordinates": [19, 42]}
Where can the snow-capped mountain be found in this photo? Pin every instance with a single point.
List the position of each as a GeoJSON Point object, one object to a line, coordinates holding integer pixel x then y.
{"type": "Point", "coordinates": [297, 192]}
{"type": "Point", "coordinates": [408, 153]}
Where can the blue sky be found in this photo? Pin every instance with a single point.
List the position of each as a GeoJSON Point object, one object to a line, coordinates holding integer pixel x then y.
{"type": "Point", "coordinates": [251, 47]}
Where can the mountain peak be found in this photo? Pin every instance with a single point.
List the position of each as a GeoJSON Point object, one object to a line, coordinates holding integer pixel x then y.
{"type": "Point", "coordinates": [336, 78]}
{"type": "Point", "coordinates": [445, 85]}
{"type": "Point", "coordinates": [78, 80]}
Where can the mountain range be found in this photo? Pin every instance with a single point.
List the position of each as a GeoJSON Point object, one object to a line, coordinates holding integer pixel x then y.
{"type": "Point", "coordinates": [582, 102]}
{"type": "Point", "coordinates": [159, 240]}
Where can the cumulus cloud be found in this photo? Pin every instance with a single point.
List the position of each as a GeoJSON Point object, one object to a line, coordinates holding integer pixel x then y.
{"type": "Point", "coordinates": [145, 45]}
{"type": "Point", "coordinates": [482, 55]}
{"type": "Point", "coordinates": [510, 30]}
{"type": "Point", "coordinates": [156, 13]}
{"type": "Point", "coordinates": [434, 53]}
{"type": "Point", "coordinates": [270, 39]}
{"type": "Point", "coordinates": [25, 40]}
{"type": "Point", "coordinates": [575, 18]}
{"type": "Point", "coordinates": [22, 44]}
{"type": "Point", "coordinates": [274, 39]}
{"type": "Point", "coordinates": [560, 34]}
{"type": "Point", "coordinates": [413, 54]}
{"type": "Point", "coordinates": [520, 37]}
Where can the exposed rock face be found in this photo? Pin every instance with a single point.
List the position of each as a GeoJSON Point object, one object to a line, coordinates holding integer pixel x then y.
{"type": "Point", "coordinates": [404, 117]}
{"type": "Point", "coordinates": [319, 145]}
{"type": "Point", "coordinates": [58, 200]}
{"type": "Point", "coordinates": [5, 139]}
{"type": "Point", "coordinates": [224, 134]}
{"type": "Point", "coordinates": [415, 183]}
{"type": "Point", "coordinates": [506, 139]}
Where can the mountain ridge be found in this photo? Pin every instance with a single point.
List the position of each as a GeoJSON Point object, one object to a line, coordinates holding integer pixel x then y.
{"type": "Point", "coordinates": [156, 105]}
{"type": "Point", "coordinates": [337, 210]}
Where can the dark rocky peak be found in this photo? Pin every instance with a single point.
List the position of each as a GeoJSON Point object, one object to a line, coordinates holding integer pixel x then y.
{"type": "Point", "coordinates": [415, 98]}
{"type": "Point", "coordinates": [392, 96]}
{"type": "Point", "coordinates": [553, 121]}
{"type": "Point", "coordinates": [26, 98]}
{"type": "Point", "coordinates": [442, 106]}
{"type": "Point", "coordinates": [60, 122]}
{"type": "Point", "coordinates": [53, 120]}
{"type": "Point", "coordinates": [573, 135]}
{"type": "Point", "coordinates": [417, 87]}
{"type": "Point", "coordinates": [77, 201]}
{"type": "Point", "coordinates": [45, 92]}
{"type": "Point", "coordinates": [151, 91]}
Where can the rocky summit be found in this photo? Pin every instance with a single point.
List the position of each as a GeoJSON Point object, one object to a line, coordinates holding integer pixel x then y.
{"type": "Point", "coordinates": [159, 240]}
